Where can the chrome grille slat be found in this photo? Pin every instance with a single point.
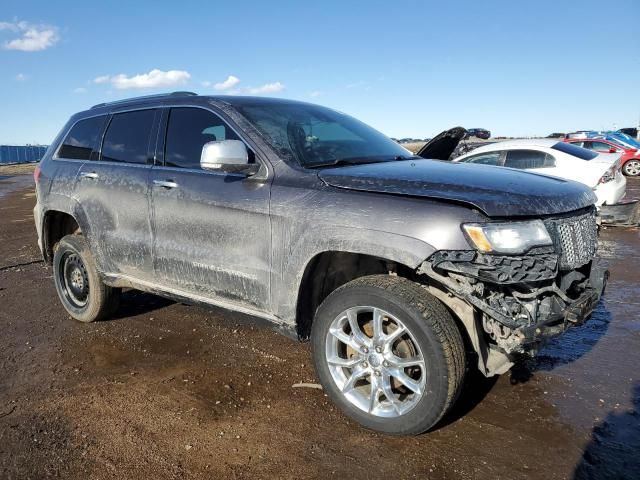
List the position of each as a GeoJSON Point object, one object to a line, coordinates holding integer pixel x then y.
{"type": "Point", "coordinates": [575, 238]}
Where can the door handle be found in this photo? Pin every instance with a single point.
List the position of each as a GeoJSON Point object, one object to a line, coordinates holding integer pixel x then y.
{"type": "Point", "coordinates": [165, 183]}
{"type": "Point", "coordinates": [92, 175]}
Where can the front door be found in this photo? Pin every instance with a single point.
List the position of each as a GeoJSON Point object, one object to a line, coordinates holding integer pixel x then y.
{"type": "Point", "coordinates": [212, 234]}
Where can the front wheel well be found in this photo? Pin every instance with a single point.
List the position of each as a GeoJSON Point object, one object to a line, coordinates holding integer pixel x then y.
{"type": "Point", "coordinates": [55, 226]}
{"type": "Point", "coordinates": [330, 270]}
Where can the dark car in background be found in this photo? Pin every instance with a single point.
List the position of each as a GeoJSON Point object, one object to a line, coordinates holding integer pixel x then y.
{"type": "Point", "coordinates": [631, 131]}
{"type": "Point", "coordinates": [479, 133]}
{"type": "Point", "coordinates": [402, 271]}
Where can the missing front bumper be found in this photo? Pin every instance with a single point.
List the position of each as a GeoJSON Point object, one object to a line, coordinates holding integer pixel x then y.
{"type": "Point", "coordinates": [518, 316]}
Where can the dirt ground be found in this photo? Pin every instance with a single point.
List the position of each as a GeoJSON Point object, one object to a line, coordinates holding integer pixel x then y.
{"type": "Point", "coordinates": [166, 390]}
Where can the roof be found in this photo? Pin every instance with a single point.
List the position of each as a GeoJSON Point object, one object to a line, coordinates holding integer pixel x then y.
{"type": "Point", "coordinates": [236, 100]}
{"type": "Point", "coordinates": [521, 142]}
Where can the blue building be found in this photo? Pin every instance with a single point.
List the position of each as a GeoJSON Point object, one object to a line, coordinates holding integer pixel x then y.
{"type": "Point", "coordinates": [21, 153]}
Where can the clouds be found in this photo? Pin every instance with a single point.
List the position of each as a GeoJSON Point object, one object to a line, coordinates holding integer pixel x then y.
{"type": "Point", "coordinates": [101, 79]}
{"type": "Point", "coordinates": [267, 88]}
{"type": "Point", "coordinates": [31, 37]}
{"type": "Point", "coordinates": [230, 86]}
{"type": "Point", "coordinates": [154, 79]}
{"type": "Point", "coordinates": [21, 77]}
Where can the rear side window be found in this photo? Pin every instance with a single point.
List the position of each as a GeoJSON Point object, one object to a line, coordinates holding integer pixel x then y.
{"type": "Point", "coordinates": [127, 137]}
{"type": "Point", "coordinates": [528, 159]}
{"type": "Point", "coordinates": [491, 158]}
{"type": "Point", "coordinates": [575, 149]}
{"type": "Point", "coordinates": [81, 141]}
{"type": "Point", "coordinates": [187, 132]}
{"type": "Point", "coordinates": [601, 147]}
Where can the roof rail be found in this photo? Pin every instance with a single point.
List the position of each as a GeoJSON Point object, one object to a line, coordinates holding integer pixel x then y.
{"type": "Point", "coordinates": [145, 97]}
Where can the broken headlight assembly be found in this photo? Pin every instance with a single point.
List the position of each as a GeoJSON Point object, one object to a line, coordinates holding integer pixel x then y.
{"type": "Point", "coordinates": [507, 237]}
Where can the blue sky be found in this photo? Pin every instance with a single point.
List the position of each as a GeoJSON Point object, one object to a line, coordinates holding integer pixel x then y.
{"type": "Point", "coordinates": [407, 68]}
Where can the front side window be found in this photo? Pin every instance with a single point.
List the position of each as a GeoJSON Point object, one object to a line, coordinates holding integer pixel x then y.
{"type": "Point", "coordinates": [524, 159]}
{"type": "Point", "coordinates": [491, 158]}
{"type": "Point", "coordinates": [317, 136]}
{"type": "Point", "coordinates": [127, 137]}
{"type": "Point", "coordinates": [187, 132]}
{"type": "Point", "coordinates": [80, 143]}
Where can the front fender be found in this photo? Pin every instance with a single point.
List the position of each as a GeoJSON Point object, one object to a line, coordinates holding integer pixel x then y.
{"type": "Point", "coordinates": [291, 264]}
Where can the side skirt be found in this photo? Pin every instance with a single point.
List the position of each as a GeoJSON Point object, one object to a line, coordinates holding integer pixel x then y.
{"type": "Point", "coordinates": [126, 281]}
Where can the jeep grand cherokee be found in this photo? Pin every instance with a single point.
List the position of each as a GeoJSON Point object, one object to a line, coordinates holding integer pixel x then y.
{"type": "Point", "coordinates": [402, 271]}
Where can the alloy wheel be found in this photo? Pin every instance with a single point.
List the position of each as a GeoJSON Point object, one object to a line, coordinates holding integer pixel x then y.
{"type": "Point", "coordinates": [632, 168]}
{"type": "Point", "coordinates": [375, 361]}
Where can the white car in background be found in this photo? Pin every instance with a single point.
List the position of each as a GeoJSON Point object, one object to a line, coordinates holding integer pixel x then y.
{"type": "Point", "coordinates": [600, 171]}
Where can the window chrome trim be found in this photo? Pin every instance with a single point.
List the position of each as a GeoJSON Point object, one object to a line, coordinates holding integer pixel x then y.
{"type": "Point", "coordinates": [259, 155]}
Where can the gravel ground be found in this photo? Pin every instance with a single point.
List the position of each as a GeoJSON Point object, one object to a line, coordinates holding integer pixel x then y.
{"type": "Point", "coordinates": [166, 390]}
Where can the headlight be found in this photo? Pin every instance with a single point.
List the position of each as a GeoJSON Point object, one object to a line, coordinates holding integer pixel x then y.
{"type": "Point", "coordinates": [511, 237]}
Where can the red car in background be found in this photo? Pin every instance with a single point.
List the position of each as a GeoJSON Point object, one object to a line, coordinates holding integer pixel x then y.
{"type": "Point", "coordinates": [630, 156]}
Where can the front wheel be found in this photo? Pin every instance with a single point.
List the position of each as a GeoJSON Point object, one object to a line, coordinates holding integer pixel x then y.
{"type": "Point", "coordinates": [81, 291]}
{"type": "Point", "coordinates": [389, 354]}
{"type": "Point", "coordinates": [631, 168]}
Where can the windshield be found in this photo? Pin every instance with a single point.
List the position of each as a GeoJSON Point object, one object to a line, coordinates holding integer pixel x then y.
{"type": "Point", "coordinates": [575, 150]}
{"type": "Point", "coordinates": [318, 136]}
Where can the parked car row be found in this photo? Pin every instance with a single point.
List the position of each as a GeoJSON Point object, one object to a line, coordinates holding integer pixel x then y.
{"type": "Point", "coordinates": [611, 142]}
{"type": "Point", "coordinates": [597, 169]}
{"type": "Point", "coordinates": [596, 160]}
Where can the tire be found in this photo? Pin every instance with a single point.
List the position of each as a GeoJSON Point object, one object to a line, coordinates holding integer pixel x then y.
{"type": "Point", "coordinates": [408, 400]}
{"type": "Point", "coordinates": [631, 168]}
{"type": "Point", "coordinates": [79, 287]}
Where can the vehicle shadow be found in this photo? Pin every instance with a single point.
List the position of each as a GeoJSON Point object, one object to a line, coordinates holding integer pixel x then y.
{"type": "Point", "coordinates": [134, 302]}
{"type": "Point", "coordinates": [476, 387]}
{"type": "Point", "coordinates": [567, 348]}
{"type": "Point", "coordinates": [614, 449]}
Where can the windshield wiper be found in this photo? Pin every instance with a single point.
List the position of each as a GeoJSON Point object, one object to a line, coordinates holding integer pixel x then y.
{"type": "Point", "coordinates": [359, 161]}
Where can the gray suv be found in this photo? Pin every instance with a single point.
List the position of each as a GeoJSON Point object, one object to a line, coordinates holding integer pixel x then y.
{"type": "Point", "coordinates": [403, 272]}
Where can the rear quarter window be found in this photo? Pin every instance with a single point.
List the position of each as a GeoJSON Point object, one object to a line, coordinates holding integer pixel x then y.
{"type": "Point", "coordinates": [575, 150]}
{"type": "Point", "coordinates": [82, 140]}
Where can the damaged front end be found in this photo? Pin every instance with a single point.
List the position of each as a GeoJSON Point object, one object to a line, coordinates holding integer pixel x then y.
{"type": "Point", "coordinates": [518, 301]}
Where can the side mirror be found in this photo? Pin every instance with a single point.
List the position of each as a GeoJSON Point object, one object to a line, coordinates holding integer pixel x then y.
{"type": "Point", "coordinates": [227, 156]}
{"type": "Point", "coordinates": [613, 150]}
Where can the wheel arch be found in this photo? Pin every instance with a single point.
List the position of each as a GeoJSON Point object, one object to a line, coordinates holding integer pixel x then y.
{"type": "Point", "coordinates": [56, 210]}
{"type": "Point", "coordinates": [55, 225]}
{"type": "Point", "coordinates": [330, 269]}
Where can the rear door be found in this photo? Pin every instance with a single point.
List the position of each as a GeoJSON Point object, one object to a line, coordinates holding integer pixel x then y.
{"type": "Point", "coordinates": [212, 233]}
{"type": "Point", "coordinates": [113, 191]}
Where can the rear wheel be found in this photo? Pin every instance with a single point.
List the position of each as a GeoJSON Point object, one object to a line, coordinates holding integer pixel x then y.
{"type": "Point", "coordinates": [388, 354]}
{"type": "Point", "coordinates": [631, 168]}
{"type": "Point", "coordinates": [81, 291]}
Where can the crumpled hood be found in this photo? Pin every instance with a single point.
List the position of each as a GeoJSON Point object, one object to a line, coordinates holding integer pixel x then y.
{"type": "Point", "coordinates": [496, 191]}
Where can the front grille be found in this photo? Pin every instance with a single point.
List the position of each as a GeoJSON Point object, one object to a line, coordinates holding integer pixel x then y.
{"type": "Point", "coordinates": [575, 238]}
